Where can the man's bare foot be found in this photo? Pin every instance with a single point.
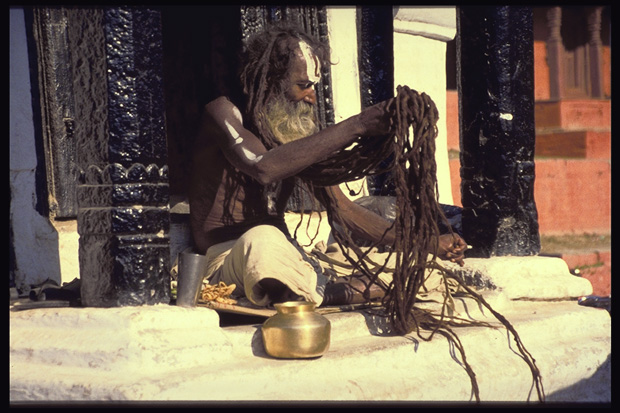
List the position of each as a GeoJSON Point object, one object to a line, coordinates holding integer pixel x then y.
{"type": "Point", "coordinates": [278, 292]}
{"type": "Point", "coordinates": [351, 290]}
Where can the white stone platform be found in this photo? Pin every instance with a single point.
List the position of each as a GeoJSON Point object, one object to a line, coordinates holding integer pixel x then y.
{"type": "Point", "coordinates": [166, 353]}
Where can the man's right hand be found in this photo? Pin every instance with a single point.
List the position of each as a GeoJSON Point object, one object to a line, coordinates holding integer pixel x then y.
{"type": "Point", "coordinates": [377, 119]}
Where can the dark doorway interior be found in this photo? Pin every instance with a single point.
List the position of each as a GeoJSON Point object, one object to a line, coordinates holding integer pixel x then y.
{"type": "Point", "coordinates": [201, 47]}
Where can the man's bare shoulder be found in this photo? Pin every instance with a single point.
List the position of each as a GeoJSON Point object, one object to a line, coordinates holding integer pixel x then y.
{"type": "Point", "coordinates": [222, 108]}
{"type": "Point", "coordinates": [221, 123]}
{"type": "Point", "coordinates": [218, 102]}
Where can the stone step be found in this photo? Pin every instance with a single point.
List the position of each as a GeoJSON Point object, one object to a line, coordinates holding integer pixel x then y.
{"type": "Point", "coordinates": [574, 144]}
{"type": "Point", "coordinates": [572, 195]}
{"type": "Point", "coordinates": [372, 366]}
{"type": "Point", "coordinates": [587, 123]}
{"type": "Point", "coordinates": [600, 278]}
{"type": "Point", "coordinates": [576, 259]}
{"type": "Point", "coordinates": [574, 114]}
{"type": "Point", "coordinates": [594, 266]}
{"type": "Point", "coordinates": [167, 353]}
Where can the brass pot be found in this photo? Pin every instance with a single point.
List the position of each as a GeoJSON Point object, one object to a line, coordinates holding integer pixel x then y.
{"type": "Point", "coordinates": [296, 331]}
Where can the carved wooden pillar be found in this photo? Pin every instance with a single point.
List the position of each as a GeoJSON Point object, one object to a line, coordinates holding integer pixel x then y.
{"type": "Point", "coordinates": [555, 54]}
{"type": "Point", "coordinates": [596, 52]}
{"type": "Point", "coordinates": [376, 68]}
{"type": "Point", "coordinates": [123, 212]}
{"type": "Point", "coordinates": [496, 102]}
{"type": "Point", "coordinates": [50, 26]}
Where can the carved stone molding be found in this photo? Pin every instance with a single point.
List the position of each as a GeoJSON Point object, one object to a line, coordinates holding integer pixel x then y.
{"type": "Point", "coordinates": [116, 173]}
{"type": "Point", "coordinates": [437, 23]}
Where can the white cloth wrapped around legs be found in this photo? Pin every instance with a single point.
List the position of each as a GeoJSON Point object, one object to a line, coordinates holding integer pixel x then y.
{"type": "Point", "coordinates": [265, 252]}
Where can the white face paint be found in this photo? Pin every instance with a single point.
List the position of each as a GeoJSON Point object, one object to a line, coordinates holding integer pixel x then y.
{"type": "Point", "coordinates": [312, 63]}
{"type": "Point", "coordinates": [249, 155]}
{"type": "Point", "coordinates": [237, 113]}
{"type": "Point", "coordinates": [233, 132]}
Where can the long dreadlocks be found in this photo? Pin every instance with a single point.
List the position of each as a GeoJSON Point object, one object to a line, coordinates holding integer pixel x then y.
{"type": "Point", "coordinates": [267, 62]}
{"type": "Point", "coordinates": [264, 72]}
{"type": "Point", "coordinates": [414, 172]}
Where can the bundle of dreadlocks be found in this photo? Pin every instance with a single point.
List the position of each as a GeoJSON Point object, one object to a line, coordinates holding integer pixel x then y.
{"type": "Point", "coordinates": [414, 174]}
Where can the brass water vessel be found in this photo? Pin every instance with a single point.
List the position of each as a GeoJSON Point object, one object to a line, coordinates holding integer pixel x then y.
{"type": "Point", "coordinates": [296, 331]}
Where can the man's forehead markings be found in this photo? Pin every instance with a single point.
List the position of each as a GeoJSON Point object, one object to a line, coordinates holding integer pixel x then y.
{"type": "Point", "coordinates": [312, 66]}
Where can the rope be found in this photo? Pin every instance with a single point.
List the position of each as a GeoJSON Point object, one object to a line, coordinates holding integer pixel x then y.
{"type": "Point", "coordinates": [219, 293]}
{"type": "Point", "coordinates": [414, 174]}
{"type": "Point", "coordinates": [413, 170]}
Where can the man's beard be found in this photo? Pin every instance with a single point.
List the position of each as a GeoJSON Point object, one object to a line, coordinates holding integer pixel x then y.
{"type": "Point", "coordinates": [290, 121]}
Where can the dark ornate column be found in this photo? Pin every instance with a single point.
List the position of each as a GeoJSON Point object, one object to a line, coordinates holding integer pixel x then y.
{"type": "Point", "coordinates": [57, 110]}
{"type": "Point", "coordinates": [496, 103]}
{"type": "Point", "coordinates": [123, 212]}
{"type": "Point", "coordinates": [555, 52]}
{"type": "Point", "coordinates": [376, 68]}
{"type": "Point", "coordinates": [595, 45]}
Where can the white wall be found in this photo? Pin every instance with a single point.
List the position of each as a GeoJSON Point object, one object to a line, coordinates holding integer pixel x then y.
{"type": "Point", "coordinates": [35, 239]}
{"type": "Point", "coordinates": [420, 36]}
{"type": "Point", "coordinates": [341, 22]}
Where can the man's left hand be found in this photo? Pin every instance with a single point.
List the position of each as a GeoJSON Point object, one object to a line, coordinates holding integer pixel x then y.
{"type": "Point", "coordinates": [452, 248]}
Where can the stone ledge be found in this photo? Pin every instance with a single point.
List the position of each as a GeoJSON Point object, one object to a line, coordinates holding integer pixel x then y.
{"type": "Point", "coordinates": [433, 22]}
{"type": "Point", "coordinates": [592, 257]}
{"type": "Point", "coordinates": [573, 114]}
{"type": "Point", "coordinates": [584, 144]}
{"type": "Point", "coordinates": [364, 366]}
{"type": "Point", "coordinates": [534, 278]}
{"type": "Point", "coordinates": [164, 353]}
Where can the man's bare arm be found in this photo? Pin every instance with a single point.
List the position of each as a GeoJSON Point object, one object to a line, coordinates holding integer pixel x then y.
{"type": "Point", "coordinates": [362, 222]}
{"type": "Point", "coordinates": [245, 151]}
{"type": "Point", "coordinates": [368, 225]}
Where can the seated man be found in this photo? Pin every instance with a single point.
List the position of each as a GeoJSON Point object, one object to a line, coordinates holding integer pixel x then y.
{"type": "Point", "coordinates": [239, 186]}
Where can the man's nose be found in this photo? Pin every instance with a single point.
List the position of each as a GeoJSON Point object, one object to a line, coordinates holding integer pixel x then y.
{"type": "Point", "coordinates": [310, 96]}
